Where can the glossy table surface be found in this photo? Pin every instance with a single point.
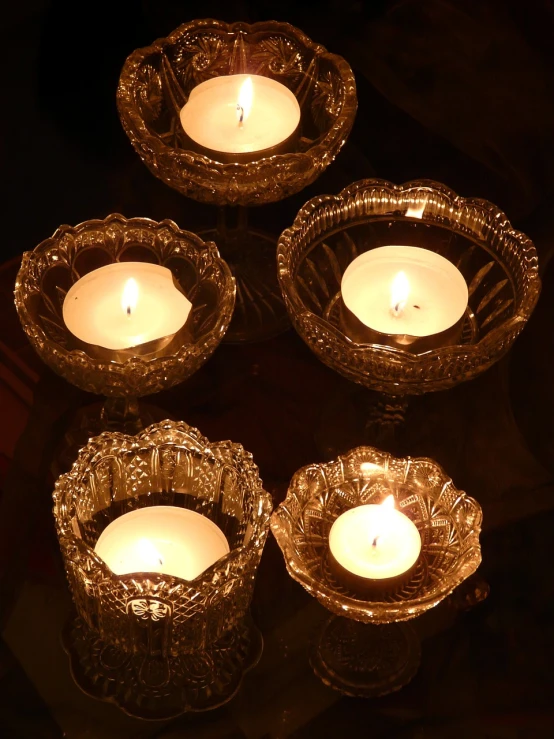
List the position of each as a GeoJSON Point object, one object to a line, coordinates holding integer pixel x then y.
{"type": "Point", "coordinates": [486, 668]}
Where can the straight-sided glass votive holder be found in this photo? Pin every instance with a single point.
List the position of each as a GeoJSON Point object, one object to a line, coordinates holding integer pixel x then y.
{"type": "Point", "coordinates": [158, 645]}
{"type": "Point", "coordinates": [498, 264]}
{"type": "Point", "coordinates": [49, 271]}
{"type": "Point", "coordinates": [155, 83]}
{"type": "Point", "coordinates": [366, 649]}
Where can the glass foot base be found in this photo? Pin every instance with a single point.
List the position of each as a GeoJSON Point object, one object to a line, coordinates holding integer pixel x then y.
{"type": "Point", "coordinates": [365, 661]}
{"type": "Point", "coordinates": [199, 681]}
{"type": "Point", "coordinates": [259, 309]}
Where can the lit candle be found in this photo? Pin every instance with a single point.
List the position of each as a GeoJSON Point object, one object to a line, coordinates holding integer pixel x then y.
{"type": "Point", "coordinates": [164, 539]}
{"type": "Point", "coordinates": [241, 118]}
{"type": "Point", "coordinates": [132, 306]}
{"type": "Point", "coordinates": [374, 548]}
{"type": "Point", "coordinates": [405, 297]}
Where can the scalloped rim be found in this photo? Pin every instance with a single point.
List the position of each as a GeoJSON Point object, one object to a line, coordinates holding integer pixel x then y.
{"type": "Point", "coordinates": [312, 207]}
{"type": "Point", "coordinates": [72, 480]}
{"type": "Point", "coordinates": [340, 127]}
{"type": "Point", "coordinates": [281, 527]}
{"type": "Point", "coordinates": [38, 335]}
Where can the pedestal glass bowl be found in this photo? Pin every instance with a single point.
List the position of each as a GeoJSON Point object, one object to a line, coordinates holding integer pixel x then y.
{"type": "Point", "coordinates": [448, 521]}
{"type": "Point", "coordinates": [156, 81]}
{"type": "Point", "coordinates": [47, 273]}
{"type": "Point", "coordinates": [500, 266]}
{"type": "Point", "coordinates": [155, 84]}
{"type": "Point", "coordinates": [155, 644]}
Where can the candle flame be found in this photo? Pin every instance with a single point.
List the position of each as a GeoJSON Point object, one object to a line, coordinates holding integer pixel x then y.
{"type": "Point", "coordinates": [416, 211]}
{"type": "Point", "coordinates": [129, 296]}
{"type": "Point", "coordinates": [386, 506]}
{"type": "Point", "coordinates": [149, 555]}
{"type": "Point", "coordinates": [400, 289]}
{"type": "Point", "coordinates": [244, 102]}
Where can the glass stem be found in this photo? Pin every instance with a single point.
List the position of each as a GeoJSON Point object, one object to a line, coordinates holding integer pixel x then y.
{"type": "Point", "coordinates": [122, 414]}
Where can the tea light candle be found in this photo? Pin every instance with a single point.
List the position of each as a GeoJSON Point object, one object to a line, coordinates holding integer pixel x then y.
{"type": "Point", "coordinates": [403, 296]}
{"type": "Point", "coordinates": [241, 118]}
{"type": "Point", "coordinates": [165, 539]}
{"type": "Point", "coordinates": [125, 305]}
{"type": "Point", "coordinates": [375, 546]}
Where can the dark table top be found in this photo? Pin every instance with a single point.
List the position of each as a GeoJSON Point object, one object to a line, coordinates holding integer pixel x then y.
{"type": "Point", "coordinates": [486, 670]}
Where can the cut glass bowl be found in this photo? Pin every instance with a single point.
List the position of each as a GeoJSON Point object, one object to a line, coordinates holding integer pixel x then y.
{"type": "Point", "coordinates": [500, 266]}
{"type": "Point", "coordinates": [156, 81]}
{"type": "Point", "coordinates": [448, 520]}
{"type": "Point", "coordinates": [47, 273]}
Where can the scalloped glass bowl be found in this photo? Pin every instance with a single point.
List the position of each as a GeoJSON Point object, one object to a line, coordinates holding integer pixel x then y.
{"type": "Point", "coordinates": [156, 81]}
{"type": "Point", "coordinates": [448, 520]}
{"type": "Point", "coordinates": [499, 264]}
{"type": "Point", "coordinates": [169, 463]}
{"type": "Point", "coordinates": [49, 270]}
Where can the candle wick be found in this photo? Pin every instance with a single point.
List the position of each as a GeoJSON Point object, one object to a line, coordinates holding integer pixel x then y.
{"type": "Point", "coordinates": [374, 544]}
{"type": "Point", "coordinates": [241, 114]}
{"type": "Point", "coordinates": [160, 560]}
{"type": "Point", "coordinates": [129, 311]}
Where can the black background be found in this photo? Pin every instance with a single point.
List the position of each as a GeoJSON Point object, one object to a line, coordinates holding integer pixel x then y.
{"type": "Point", "coordinates": [461, 91]}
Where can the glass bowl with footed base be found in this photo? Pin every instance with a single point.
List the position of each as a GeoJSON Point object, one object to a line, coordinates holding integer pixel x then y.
{"type": "Point", "coordinates": [499, 264]}
{"type": "Point", "coordinates": [48, 272]}
{"type": "Point", "coordinates": [378, 652]}
{"type": "Point", "coordinates": [155, 83]}
{"type": "Point", "coordinates": [155, 644]}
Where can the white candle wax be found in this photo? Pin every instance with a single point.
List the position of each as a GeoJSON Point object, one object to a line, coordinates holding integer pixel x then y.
{"type": "Point", "coordinates": [376, 542]}
{"type": "Point", "coordinates": [431, 293]}
{"type": "Point", "coordinates": [165, 539]}
{"type": "Point", "coordinates": [124, 305]}
{"type": "Point", "coordinates": [222, 115]}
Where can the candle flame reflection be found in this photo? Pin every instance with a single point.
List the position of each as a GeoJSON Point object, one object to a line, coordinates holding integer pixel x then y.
{"type": "Point", "coordinates": [149, 555]}
{"type": "Point", "coordinates": [416, 211]}
{"type": "Point", "coordinates": [129, 296]}
{"type": "Point", "coordinates": [244, 102]}
{"type": "Point", "coordinates": [400, 289]}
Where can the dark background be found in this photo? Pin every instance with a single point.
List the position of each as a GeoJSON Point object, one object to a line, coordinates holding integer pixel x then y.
{"type": "Point", "coordinates": [459, 91]}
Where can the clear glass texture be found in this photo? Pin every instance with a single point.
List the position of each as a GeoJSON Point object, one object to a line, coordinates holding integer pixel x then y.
{"type": "Point", "coordinates": [499, 264]}
{"type": "Point", "coordinates": [448, 520]}
{"type": "Point", "coordinates": [169, 463]}
{"type": "Point", "coordinates": [156, 81]}
{"type": "Point", "coordinates": [47, 273]}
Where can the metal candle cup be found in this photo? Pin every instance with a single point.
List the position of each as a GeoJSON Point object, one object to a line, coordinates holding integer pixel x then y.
{"type": "Point", "coordinates": [405, 297]}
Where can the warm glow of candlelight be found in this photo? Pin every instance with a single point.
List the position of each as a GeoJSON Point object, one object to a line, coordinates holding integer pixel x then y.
{"type": "Point", "coordinates": [380, 528]}
{"type": "Point", "coordinates": [400, 289]}
{"type": "Point", "coordinates": [129, 296]}
{"type": "Point", "coordinates": [149, 555]}
{"type": "Point", "coordinates": [244, 102]}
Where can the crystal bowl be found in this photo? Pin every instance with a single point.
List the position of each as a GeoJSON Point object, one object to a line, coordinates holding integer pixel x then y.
{"type": "Point", "coordinates": [169, 463]}
{"type": "Point", "coordinates": [500, 266]}
{"type": "Point", "coordinates": [47, 273]}
{"type": "Point", "coordinates": [448, 520]}
{"type": "Point", "coordinates": [156, 81]}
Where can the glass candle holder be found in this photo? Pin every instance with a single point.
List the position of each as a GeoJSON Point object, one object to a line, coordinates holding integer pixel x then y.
{"type": "Point", "coordinates": [155, 644]}
{"type": "Point", "coordinates": [49, 271]}
{"type": "Point", "coordinates": [449, 523]}
{"type": "Point", "coordinates": [499, 264]}
{"type": "Point", "coordinates": [155, 84]}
